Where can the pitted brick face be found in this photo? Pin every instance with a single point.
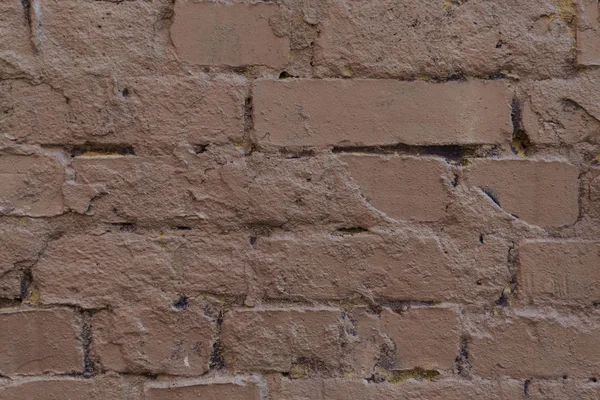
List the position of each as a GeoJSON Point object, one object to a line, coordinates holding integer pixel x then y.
{"type": "Point", "coordinates": [299, 199]}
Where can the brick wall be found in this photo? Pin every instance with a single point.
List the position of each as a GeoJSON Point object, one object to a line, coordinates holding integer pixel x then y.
{"type": "Point", "coordinates": [299, 199]}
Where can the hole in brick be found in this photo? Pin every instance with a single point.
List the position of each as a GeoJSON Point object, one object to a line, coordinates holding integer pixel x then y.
{"type": "Point", "coordinates": [455, 180]}
{"type": "Point", "coordinates": [354, 230]}
{"type": "Point", "coordinates": [217, 359]}
{"type": "Point", "coordinates": [125, 226]}
{"type": "Point", "coordinates": [490, 193]}
{"type": "Point", "coordinates": [449, 152]}
{"type": "Point", "coordinates": [284, 75]}
{"type": "Point", "coordinates": [302, 153]}
{"type": "Point", "coordinates": [481, 238]}
{"type": "Point", "coordinates": [565, 377]}
{"type": "Point", "coordinates": [253, 240]}
{"type": "Point", "coordinates": [102, 149]}
{"type": "Point", "coordinates": [87, 336]}
{"type": "Point", "coordinates": [479, 282]}
{"type": "Point", "coordinates": [181, 303]}
{"type": "Point", "coordinates": [200, 148]}
{"type": "Point", "coordinates": [183, 228]}
{"type": "Point", "coordinates": [593, 379]}
{"type": "Point", "coordinates": [463, 365]}
{"type": "Point", "coordinates": [26, 283]}
{"type": "Point", "coordinates": [125, 92]}
{"type": "Point", "coordinates": [499, 44]}
{"type": "Point", "coordinates": [526, 387]}
{"type": "Point", "coordinates": [520, 140]}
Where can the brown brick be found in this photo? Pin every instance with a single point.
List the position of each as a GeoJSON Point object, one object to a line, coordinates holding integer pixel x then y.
{"type": "Point", "coordinates": [99, 271]}
{"type": "Point", "coordinates": [426, 338]}
{"type": "Point", "coordinates": [380, 112]}
{"type": "Point", "coordinates": [588, 32]}
{"type": "Point", "coordinates": [523, 348]}
{"type": "Point", "coordinates": [21, 241]}
{"type": "Point", "coordinates": [430, 38]}
{"type": "Point", "coordinates": [257, 190]}
{"type": "Point", "coordinates": [104, 38]}
{"type": "Point", "coordinates": [158, 341]}
{"type": "Point", "coordinates": [342, 388]}
{"type": "Point", "coordinates": [225, 34]}
{"type": "Point", "coordinates": [279, 340]}
{"type": "Point", "coordinates": [538, 192]}
{"type": "Point", "coordinates": [146, 112]}
{"type": "Point", "coordinates": [115, 268]}
{"type": "Point", "coordinates": [559, 390]}
{"type": "Point", "coordinates": [64, 389]}
{"type": "Point", "coordinates": [341, 267]}
{"type": "Point", "coordinates": [31, 185]}
{"type": "Point", "coordinates": [552, 270]}
{"type": "Point", "coordinates": [15, 39]}
{"type": "Point", "coordinates": [405, 188]}
{"type": "Point", "coordinates": [39, 342]}
{"type": "Point", "coordinates": [208, 391]}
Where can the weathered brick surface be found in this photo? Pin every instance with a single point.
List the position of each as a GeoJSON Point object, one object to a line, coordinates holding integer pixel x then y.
{"type": "Point", "coordinates": [208, 391]}
{"type": "Point", "coordinates": [553, 270]}
{"type": "Point", "coordinates": [299, 199]}
{"type": "Point", "coordinates": [588, 33]}
{"type": "Point", "coordinates": [437, 38]}
{"type": "Point", "coordinates": [281, 340]}
{"type": "Point", "coordinates": [240, 34]}
{"type": "Point", "coordinates": [343, 267]}
{"type": "Point", "coordinates": [538, 192]}
{"type": "Point", "coordinates": [21, 241]}
{"type": "Point", "coordinates": [406, 188]}
{"type": "Point", "coordinates": [126, 268]}
{"type": "Point", "coordinates": [522, 347]}
{"type": "Point", "coordinates": [380, 112]}
{"type": "Point", "coordinates": [40, 342]}
{"type": "Point", "coordinates": [31, 185]}
{"type": "Point", "coordinates": [158, 341]}
{"type": "Point", "coordinates": [341, 388]}
{"type": "Point", "coordinates": [66, 388]}
{"type": "Point", "coordinates": [150, 114]}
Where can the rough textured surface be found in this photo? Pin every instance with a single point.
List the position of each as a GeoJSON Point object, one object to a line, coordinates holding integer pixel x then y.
{"type": "Point", "coordinates": [299, 199]}
{"type": "Point", "coordinates": [381, 112]}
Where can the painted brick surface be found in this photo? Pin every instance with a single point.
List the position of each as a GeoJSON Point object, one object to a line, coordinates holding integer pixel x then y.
{"type": "Point", "coordinates": [299, 199]}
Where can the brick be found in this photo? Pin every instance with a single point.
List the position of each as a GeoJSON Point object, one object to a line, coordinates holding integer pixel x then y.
{"type": "Point", "coordinates": [225, 34]}
{"type": "Point", "coordinates": [257, 190]}
{"type": "Point", "coordinates": [147, 112]}
{"type": "Point", "coordinates": [342, 267]}
{"type": "Point", "coordinates": [339, 388]}
{"type": "Point", "coordinates": [66, 388]}
{"type": "Point", "coordinates": [31, 185]}
{"type": "Point", "coordinates": [380, 112]}
{"type": "Point", "coordinates": [21, 241]}
{"type": "Point", "coordinates": [209, 391]}
{"type": "Point", "coordinates": [523, 348]}
{"type": "Point", "coordinates": [432, 38]}
{"type": "Point", "coordinates": [557, 390]}
{"type": "Point", "coordinates": [553, 270]}
{"type": "Point", "coordinates": [104, 38]}
{"type": "Point", "coordinates": [279, 340]}
{"type": "Point", "coordinates": [15, 32]}
{"type": "Point", "coordinates": [157, 341]}
{"type": "Point", "coordinates": [426, 338]}
{"type": "Point", "coordinates": [40, 342]}
{"type": "Point", "coordinates": [124, 268]}
{"type": "Point", "coordinates": [538, 192]}
{"type": "Point", "coordinates": [405, 188]}
{"type": "Point", "coordinates": [100, 271]}
{"type": "Point", "coordinates": [588, 32]}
